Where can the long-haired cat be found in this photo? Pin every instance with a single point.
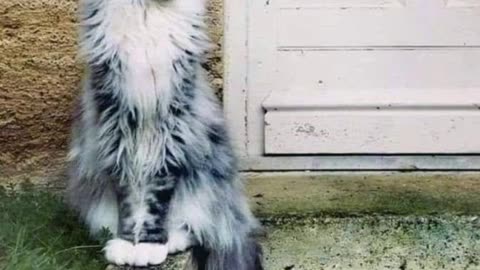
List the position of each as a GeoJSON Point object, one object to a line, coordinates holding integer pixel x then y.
{"type": "Point", "coordinates": [150, 158]}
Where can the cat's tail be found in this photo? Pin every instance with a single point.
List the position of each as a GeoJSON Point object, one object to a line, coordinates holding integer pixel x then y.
{"type": "Point", "coordinates": [245, 254]}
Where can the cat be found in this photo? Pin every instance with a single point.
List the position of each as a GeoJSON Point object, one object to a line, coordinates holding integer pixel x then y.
{"type": "Point", "coordinates": [150, 157]}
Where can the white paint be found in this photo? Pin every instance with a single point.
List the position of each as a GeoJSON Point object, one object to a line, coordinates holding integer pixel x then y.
{"type": "Point", "coordinates": [363, 162]}
{"type": "Point", "coordinates": [420, 57]}
{"type": "Point", "coordinates": [235, 76]}
{"type": "Point", "coordinates": [422, 71]}
{"type": "Point", "coordinates": [462, 3]}
{"type": "Point", "coordinates": [420, 23]}
{"type": "Point", "coordinates": [388, 132]}
{"type": "Point", "coordinates": [340, 3]}
{"type": "Point", "coordinates": [374, 99]}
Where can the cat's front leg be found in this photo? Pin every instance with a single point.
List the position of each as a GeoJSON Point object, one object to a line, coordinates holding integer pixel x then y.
{"type": "Point", "coordinates": [143, 235]}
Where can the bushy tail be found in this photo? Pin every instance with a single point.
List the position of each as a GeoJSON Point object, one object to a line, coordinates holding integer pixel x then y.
{"type": "Point", "coordinates": [245, 255]}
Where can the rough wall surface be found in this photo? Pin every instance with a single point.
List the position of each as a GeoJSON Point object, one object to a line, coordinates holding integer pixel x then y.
{"type": "Point", "coordinates": [40, 75]}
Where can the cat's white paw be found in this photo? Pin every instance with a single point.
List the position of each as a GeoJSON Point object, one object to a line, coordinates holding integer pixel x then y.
{"type": "Point", "coordinates": [119, 252]}
{"type": "Point", "coordinates": [178, 241]}
{"type": "Point", "coordinates": [149, 254]}
{"type": "Point", "coordinates": [122, 252]}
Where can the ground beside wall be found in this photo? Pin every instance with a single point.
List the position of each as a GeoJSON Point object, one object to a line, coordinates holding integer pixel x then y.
{"type": "Point", "coordinates": [366, 243]}
{"type": "Point", "coordinates": [441, 229]}
{"type": "Point", "coordinates": [39, 78]}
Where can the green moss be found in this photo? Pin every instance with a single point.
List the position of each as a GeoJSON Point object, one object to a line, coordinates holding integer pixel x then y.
{"type": "Point", "coordinates": [364, 194]}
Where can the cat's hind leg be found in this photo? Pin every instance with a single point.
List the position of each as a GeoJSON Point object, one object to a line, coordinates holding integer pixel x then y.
{"type": "Point", "coordinates": [96, 203]}
{"type": "Point", "coordinates": [103, 213]}
{"type": "Point", "coordinates": [220, 222]}
{"type": "Point", "coordinates": [180, 238]}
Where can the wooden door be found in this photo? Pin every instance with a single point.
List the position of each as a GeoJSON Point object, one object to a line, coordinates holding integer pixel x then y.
{"type": "Point", "coordinates": [363, 77]}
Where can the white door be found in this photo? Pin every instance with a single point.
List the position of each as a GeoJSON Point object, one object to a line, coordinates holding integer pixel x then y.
{"type": "Point", "coordinates": [311, 78]}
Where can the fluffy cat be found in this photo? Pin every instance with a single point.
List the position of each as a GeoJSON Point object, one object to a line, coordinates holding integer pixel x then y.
{"type": "Point", "coordinates": [150, 156]}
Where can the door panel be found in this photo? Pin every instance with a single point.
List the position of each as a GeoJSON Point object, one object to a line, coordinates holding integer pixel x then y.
{"type": "Point", "coordinates": [387, 132]}
{"type": "Point", "coordinates": [419, 69]}
{"type": "Point", "coordinates": [339, 3]}
{"type": "Point", "coordinates": [323, 78]}
{"type": "Point", "coordinates": [373, 77]}
{"type": "Point", "coordinates": [399, 121]}
{"type": "Point", "coordinates": [416, 23]}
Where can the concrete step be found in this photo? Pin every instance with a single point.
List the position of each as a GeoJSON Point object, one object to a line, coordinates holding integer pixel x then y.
{"type": "Point", "coordinates": [368, 221]}
{"type": "Point", "coordinates": [336, 193]}
{"type": "Point", "coordinates": [367, 243]}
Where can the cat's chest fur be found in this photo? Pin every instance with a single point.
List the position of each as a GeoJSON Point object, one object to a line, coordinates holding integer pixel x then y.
{"type": "Point", "coordinates": [146, 40]}
{"type": "Point", "coordinates": [142, 38]}
{"type": "Point", "coordinates": [149, 56]}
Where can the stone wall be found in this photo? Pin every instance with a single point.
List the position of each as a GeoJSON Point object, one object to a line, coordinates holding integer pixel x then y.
{"type": "Point", "coordinates": [40, 75]}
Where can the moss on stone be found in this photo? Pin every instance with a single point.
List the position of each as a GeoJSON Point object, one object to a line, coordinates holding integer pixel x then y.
{"type": "Point", "coordinates": [359, 194]}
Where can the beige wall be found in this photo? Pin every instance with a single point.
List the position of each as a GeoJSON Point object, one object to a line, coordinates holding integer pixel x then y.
{"type": "Point", "coordinates": [39, 78]}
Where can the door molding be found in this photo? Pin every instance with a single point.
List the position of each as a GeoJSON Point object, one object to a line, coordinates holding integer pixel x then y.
{"type": "Point", "coordinates": [362, 163]}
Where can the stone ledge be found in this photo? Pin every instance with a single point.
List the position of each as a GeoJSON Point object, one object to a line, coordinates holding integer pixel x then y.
{"type": "Point", "coordinates": [338, 194]}
{"type": "Point", "coordinates": [173, 263]}
{"type": "Point", "coordinates": [366, 243]}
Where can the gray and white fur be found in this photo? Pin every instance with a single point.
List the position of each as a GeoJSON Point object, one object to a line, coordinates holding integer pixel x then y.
{"type": "Point", "coordinates": [150, 157]}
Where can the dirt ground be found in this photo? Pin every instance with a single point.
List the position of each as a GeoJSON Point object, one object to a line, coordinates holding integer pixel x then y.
{"type": "Point", "coordinates": [39, 78]}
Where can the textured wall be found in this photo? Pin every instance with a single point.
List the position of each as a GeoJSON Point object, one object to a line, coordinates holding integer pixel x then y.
{"type": "Point", "coordinates": [39, 78]}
